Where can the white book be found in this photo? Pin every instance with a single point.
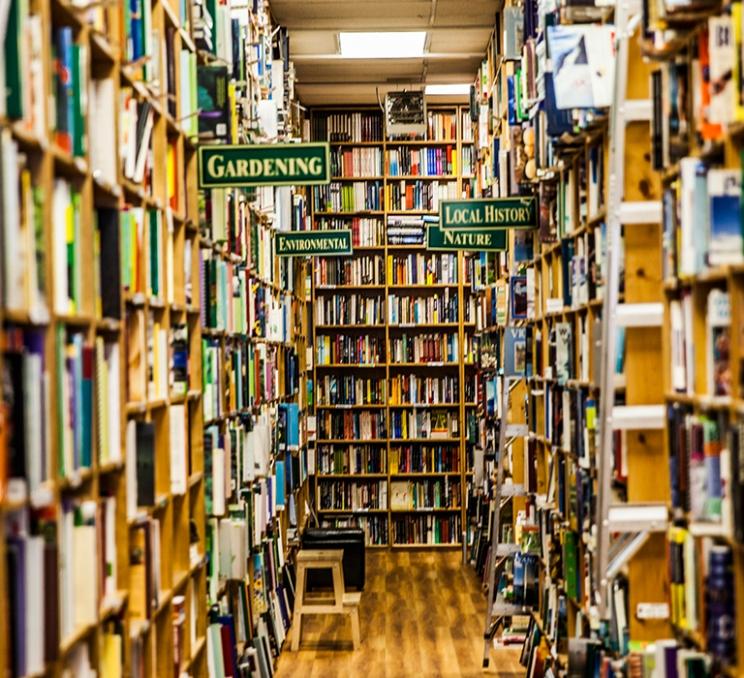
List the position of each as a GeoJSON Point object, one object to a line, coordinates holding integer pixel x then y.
{"type": "Point", "coordinates": [722, 51]}
{"type": "Point", "coordinates": [34, 615]}
{"type": "Point", "coordinates": [61, 204]}
{"type": "Point", "coordinates": [109, 517]}
{"type": "Point", "coordinates": [178, 461]}
{"type": "Point", "coordinates": [85, 575]}
{"type": "Point", "coordinates": [677, 347]}
{"type": "Point", "coordinates": [113, 380]}
{"type": "Point", "coordinates": [14, 277]}
{"type": "Point", "coordinates": [33, 395]}
{"type": "Point", "coordinates": [131, 466]}
{"type": "Point", "coordinates": [218, 481]}
{"type": "Point", "coordinates": [103, 136]}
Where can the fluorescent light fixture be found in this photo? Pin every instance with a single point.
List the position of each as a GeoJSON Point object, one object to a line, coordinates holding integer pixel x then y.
{"type": "Point", "coordinates": [382, 45]}
{"type": "Point", "coordinates": [451, 90]}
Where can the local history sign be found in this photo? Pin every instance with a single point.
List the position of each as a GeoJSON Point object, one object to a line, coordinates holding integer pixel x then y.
{"type": "Point", "coordinates": [516, 212]}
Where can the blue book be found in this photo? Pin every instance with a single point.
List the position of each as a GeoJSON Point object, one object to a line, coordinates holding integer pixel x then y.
{"type": "Point", "coordinates": [279, 472]}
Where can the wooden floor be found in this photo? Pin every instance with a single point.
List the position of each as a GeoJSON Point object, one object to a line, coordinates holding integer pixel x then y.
{"type": "Point", "coordinates": [422, 615]}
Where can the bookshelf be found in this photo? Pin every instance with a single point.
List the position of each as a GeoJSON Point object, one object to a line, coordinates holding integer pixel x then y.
{"type": "Point", "coordinates": [102, 479]}
{"type": "Point", "coordinates": [551, 282]}
{"type": "Point", "coordinates": [384, 365]}
{"type": "Point", "coordinates": [676, 276]}
{"type": "Point", "coordinates": [148, 334]}
{"type": "Point", "coordinates": [700, 273]}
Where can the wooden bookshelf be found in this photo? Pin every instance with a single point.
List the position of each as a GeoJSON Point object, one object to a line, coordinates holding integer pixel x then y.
{"type": "Point", "coordinates": [387, 369]}
{"type": "Point", "coordinates": [573, 214]}
{"type": "Point", "coordinates": [97, 35]}
{"type": "Point", "coordinates": [158, 285]}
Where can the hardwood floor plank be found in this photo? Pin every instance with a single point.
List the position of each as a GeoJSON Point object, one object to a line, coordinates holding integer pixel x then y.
{"type": "Point", "coordinates": [421, 615]}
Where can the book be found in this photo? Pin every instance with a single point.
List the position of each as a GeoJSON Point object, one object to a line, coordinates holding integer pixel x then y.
{"type": "Point", "coordinates": [718, 331]}
{"type": "Point", "coordinates": [725, 244]}
{"type": "Point", "coordinates": [583, 59]}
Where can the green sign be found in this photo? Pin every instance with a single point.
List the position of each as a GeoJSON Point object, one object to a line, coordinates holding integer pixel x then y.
{"type": "Point", "coordinates": [264, 165]}
{"type": "Point", "coordinates": [489, 213]}
{"type": "Point", "coordinates": [471, 239]}
{"type": "Point", "coordinates": [313, 243]}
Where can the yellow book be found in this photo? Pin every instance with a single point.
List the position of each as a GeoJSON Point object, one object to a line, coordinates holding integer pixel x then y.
{"type": "Point", "coordinates": [70, 239]}
{"type": "Point", "coordinates": [736, 72]}
{"type": "Point", "coordinates": [156, 359]}
{"type": "Point", "coordinates": [111, 656]}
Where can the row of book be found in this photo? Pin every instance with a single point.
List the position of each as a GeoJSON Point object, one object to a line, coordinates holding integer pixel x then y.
{"type": "Point", "coordinates": [413, 495]}
{"type": "Point", "coordinates": [430, 309]}
{"type": "Point", "coordinates": [361, 270]}
{"type": "Point", "coordinates": [357, 162]}
{"type": "Point", "coordinates": [352, 496]}
{"type": "Point", "coordinates": [426, 529]}
{"type": "Point", "coordinates": [427, 424]}
{"type": "Point", "coordinates": [242, 375]}
{"type": "Point", "coordinates": [422, 269]}
{"type": "Point", "coordinates": [349, 309]}
{"type": "Point", "coordinates": [702, 225]}
{"type": "Point", "coordinates": [424, 390]}
{"type": "Point", "coordinates": [347, 425]}
{"type": "Point", "coordinates": [419, 195]}
{"type": "Point", "coordinates": [349, 350]}
{"type": "Point", "coordinates": [365, 232]}
{"type": "Point", "coordinates": [428, 162]}
{"type": "Point", "coordinates": [718, 371]}
{"type": "Point", "coordinates": [422, 458]}
{"type": "Point", "coordinates": [350, 460]}
{"type": "Point", "coordinates": [345, 389]}
{"type": "Point", "coordinates": [235, 302]}
{"type": "Point", "coordinates": [62, 565]}
{"type": "Point", "coordinates": [351, 127]}
{"type": "Point", "coordinates": [425, 348]}
{"type": "Point", "coordinates": [356, 196]}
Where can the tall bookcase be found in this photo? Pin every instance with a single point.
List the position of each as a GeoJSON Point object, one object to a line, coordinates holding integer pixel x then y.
{"type": "Point", "coordinates": [405, 486]}
{"type": "Point", "coordinates": [76, 331]}
{"type": "Point", "coordinates": [676, 599]}
{"type": "Point", "coordinates": [561, 157]}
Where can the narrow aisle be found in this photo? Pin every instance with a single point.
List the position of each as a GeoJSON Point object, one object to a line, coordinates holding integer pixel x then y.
{"type": "Point", "coordinates": [421, 615]}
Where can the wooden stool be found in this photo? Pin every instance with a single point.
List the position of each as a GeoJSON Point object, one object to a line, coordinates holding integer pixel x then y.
{"type": "Point", "coordinates": [340, 602]}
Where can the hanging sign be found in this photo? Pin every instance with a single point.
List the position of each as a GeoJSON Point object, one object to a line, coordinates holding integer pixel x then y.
{"type": "Point", "coordinates": [223, 166]}
{"type": "Point", "coordinates": [313, 243]}
{"type": "Point", "coordinates": [470, 239]}
{"type": "Point", "coordinates": [517, 212]}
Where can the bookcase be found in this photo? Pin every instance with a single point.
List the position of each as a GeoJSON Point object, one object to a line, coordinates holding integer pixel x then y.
{"type": "Point", "coordinates": [102, 475]}
{"type": "Point", "coordinates": [152, 344]}
{"type": "Point", "coordinates": [699, 164]}
{"type": "Point", "coordinates": [550, 285]}
{"type": "Point", "coordinates": [392, 332]}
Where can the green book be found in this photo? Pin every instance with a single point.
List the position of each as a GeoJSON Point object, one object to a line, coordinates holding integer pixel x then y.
{"type": "Point", "coordinates": [79, 87]}
{"type": "Point", "coordinates": [154, 219]}
{"type": "Point", "coordinates": [12, 58]}
{"type": "Point", "coordinates": [570, 564]}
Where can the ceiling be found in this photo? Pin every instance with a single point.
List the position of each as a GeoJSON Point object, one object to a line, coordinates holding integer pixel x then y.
{"type": "Point", "coordinates": [458, 33]}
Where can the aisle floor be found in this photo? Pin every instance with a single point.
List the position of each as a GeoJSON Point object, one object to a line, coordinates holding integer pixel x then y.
{"type": "Point", "coordinates": [422, 615]}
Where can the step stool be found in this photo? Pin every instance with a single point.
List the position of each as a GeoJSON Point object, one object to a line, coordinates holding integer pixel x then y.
{"type": "Point", "coordinates": [339, 602]}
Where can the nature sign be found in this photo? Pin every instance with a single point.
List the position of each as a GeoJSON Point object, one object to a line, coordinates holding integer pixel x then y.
{"type": "Point", "coordinates": [223, 166]}
{"type": "Point", "coordinates": [516, 212]}
{"type": "Point", "coordinates": [471, 239]}
{"type": "Point", "coordinates": [313, 243]}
